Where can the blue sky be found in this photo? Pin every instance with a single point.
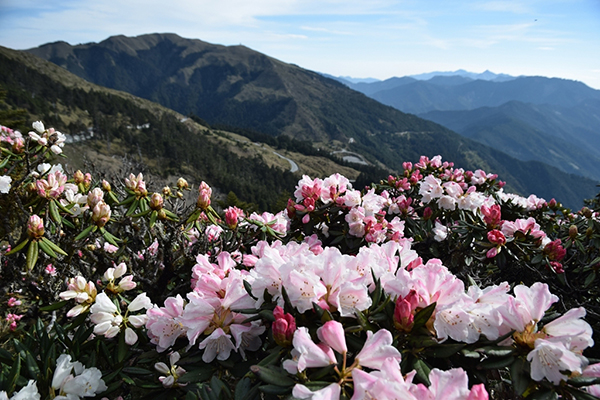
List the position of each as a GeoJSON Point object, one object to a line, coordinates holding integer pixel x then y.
{"type": "Point", "coordinates": [376, 38]}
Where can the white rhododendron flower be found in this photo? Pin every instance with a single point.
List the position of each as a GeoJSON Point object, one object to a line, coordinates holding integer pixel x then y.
{"type": "Point", "coordinates": [73, 381]}
{"type": "Point", "coordinates": [5, 182]}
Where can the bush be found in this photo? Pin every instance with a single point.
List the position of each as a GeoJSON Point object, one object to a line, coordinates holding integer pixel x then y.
{"type": "Point", "coordinates": [433, 284]}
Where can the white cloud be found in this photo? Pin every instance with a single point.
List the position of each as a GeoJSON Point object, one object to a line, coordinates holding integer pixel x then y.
{"type": "Point", "coordinates": [516, 7]}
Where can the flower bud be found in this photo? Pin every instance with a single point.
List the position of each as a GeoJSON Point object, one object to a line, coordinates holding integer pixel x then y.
{"type": "Point", "coordinates": [232, 215]}
{"type": "Point", "coordinates": [106, 186]}
{"type": "Point", "coordinates": [182, 184]}
{"type": "Point", "coordinates": [18, 145]}
{"type": "Point", "coordinates": [204, 196]}
{"type": "Point", "coordinates": [35, 227]}
{"type": "Point", "coordinates": [101, 214]}
{"type": "Point", "coordinates": [492, 215]}
{"type": "Point", "coordinates": [586, 212]}
{"type": "Point", "coordinates": [496, 237]}
{"type": "Point", "coordinates": [573, 232]}
{"type": "Point", "coordinates": [555, 251]}
{"type": "Point", "coordinates": [94, 197]}
{"type": "Point", "coordinates": [427, 212]}
{"type": "Point", "coordinates": [156, 201]}
{"type": "Point", "coordinates": [78, 177]}
{"type": "Point", "coordinates": [404, 313]}
{"type": "Point", "coordinates": [283, 327]}
{"type": "Point", "coordinates": [166, 191]}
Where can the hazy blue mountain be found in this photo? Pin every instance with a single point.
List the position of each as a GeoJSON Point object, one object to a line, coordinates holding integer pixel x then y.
{"type": "Point", "coordinates": [240, 87]}
{"type": "Point", "coordinates": [486, 75]}
{"type": "Point", "coordinates": [359, 80]}
{"type": "Point", "coordinates": [423, 96]}
{"type": "Point", "coordinates": [568, 138]}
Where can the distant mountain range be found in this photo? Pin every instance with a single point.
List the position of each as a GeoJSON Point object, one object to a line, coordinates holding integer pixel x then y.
{"type": "Point", "coordinates": [552, 120]}
{"type": "Point", "coordinates": [240, 87]}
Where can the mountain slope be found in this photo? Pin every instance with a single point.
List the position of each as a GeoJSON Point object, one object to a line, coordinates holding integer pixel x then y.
{"type": "Point", "coordinates": [237, 86]}
{"type": "Point", "coordinates": [157, 140]}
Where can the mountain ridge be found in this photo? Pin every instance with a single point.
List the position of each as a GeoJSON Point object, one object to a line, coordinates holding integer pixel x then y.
{"type": "Point", "coordinates": [240, 87]}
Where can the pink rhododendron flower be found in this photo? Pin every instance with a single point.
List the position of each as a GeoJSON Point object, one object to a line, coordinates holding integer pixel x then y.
{"type": "Point", "coordinates": [50, 270]}
{"type": "Point", "coordinates": [163, 323]}
{"type": "Point", "coordinates": [331, 392]}
{"type": "Point", "coordinates": [13, 302]}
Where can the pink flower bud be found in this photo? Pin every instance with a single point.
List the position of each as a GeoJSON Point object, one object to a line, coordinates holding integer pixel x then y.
{"type": "Point", "coordinates": [492, 215]}
{"type": "Point", "coordinates": [232, 216]}
{"type": "Point", "coordinates": [283, 327]}
{"type": "Point", "coordinates": [204, 196]}
{"type": "Point", "coordinates": [35, 227]}
{"type": "Point", "coordinates": [332, 334]}
{"type": "Point", "coordinates": [101, 214]}
{"type": "Point", "coordinates": [496, 237]}
{"type": "Point", "coordinates": [156, 201]}
{"type": "Point", "coordinates": [405, 310]}
{"type": "Point", "coordinates": [557, 267]}
{"type": "Point", "coordinates": [94, 197]}
{"type": "Point", "coordinates": [555, 251]}
{"type": "Point", "coordinates": [427, 213]}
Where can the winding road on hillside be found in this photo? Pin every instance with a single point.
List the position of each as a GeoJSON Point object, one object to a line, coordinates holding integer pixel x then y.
{"type": "Point", "coordinates": [293, 165]}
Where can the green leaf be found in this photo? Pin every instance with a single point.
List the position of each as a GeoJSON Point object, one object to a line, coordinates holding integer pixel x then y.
{"type": "Point", "coordinates": [444, 350]}
{"type": "Point", "coordinates": [519, 375]}
{"type": "Point", "coordinates": [18, 247]}
{"type": "Point", "coordinates": [122, 347]}
{"type": "Point", "coordinates": [54, 214]}
{"type": "Point", "coordinates": [31, 364]}
{"type": "Point", "coordinates": [497, 351]}
{"type": "Point", "coordinates": [15, 372]}
{"type": "Point", "coordinates": [275, 390]}
{"type": "Point", "coordinates": [497, 363]}
{"type": "Point", "coordinates": [46, 249]}
{"type": "Point", "coordinates": [132, 208]}
{"type": "Point", "coordinates": [537, 259]}
{"type": "Point", "coordinates": [197, 375]}
{"type": "Point", "coordinates": [32, 255]}
{"type": "Point", "coordinates": [547, 394]}
{"type": "Point", "coordinates": [153, 217]}
{"type": "Point", "coordinates": [54, 306]}
{"type": "Point", "coordinates": [248, 288]}
{"type": "Point", "coordinates": [86, 232]}
{"type": "Point", "coordinates": [590, 279]}
{"type": "Point", "coordinates": [581, 381]}
{"type": "Point", "coordinates": [244, 390]}
{"type": "Point", "coordinates": [423, 316]}
{"type": "Point", "coordinates": [423, 370]}
{"type": "Point", "coordinates": [272, 375]}
{"type": "Point", "coordinates": [109, 237]}
{"type": "Point", "coordinates": [136, 371]}
{"type": "Point", "coordinates": [53, 246]}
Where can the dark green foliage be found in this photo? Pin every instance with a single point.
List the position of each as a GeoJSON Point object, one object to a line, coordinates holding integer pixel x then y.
{"type": "Point", "coordinates": [166, 140]}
